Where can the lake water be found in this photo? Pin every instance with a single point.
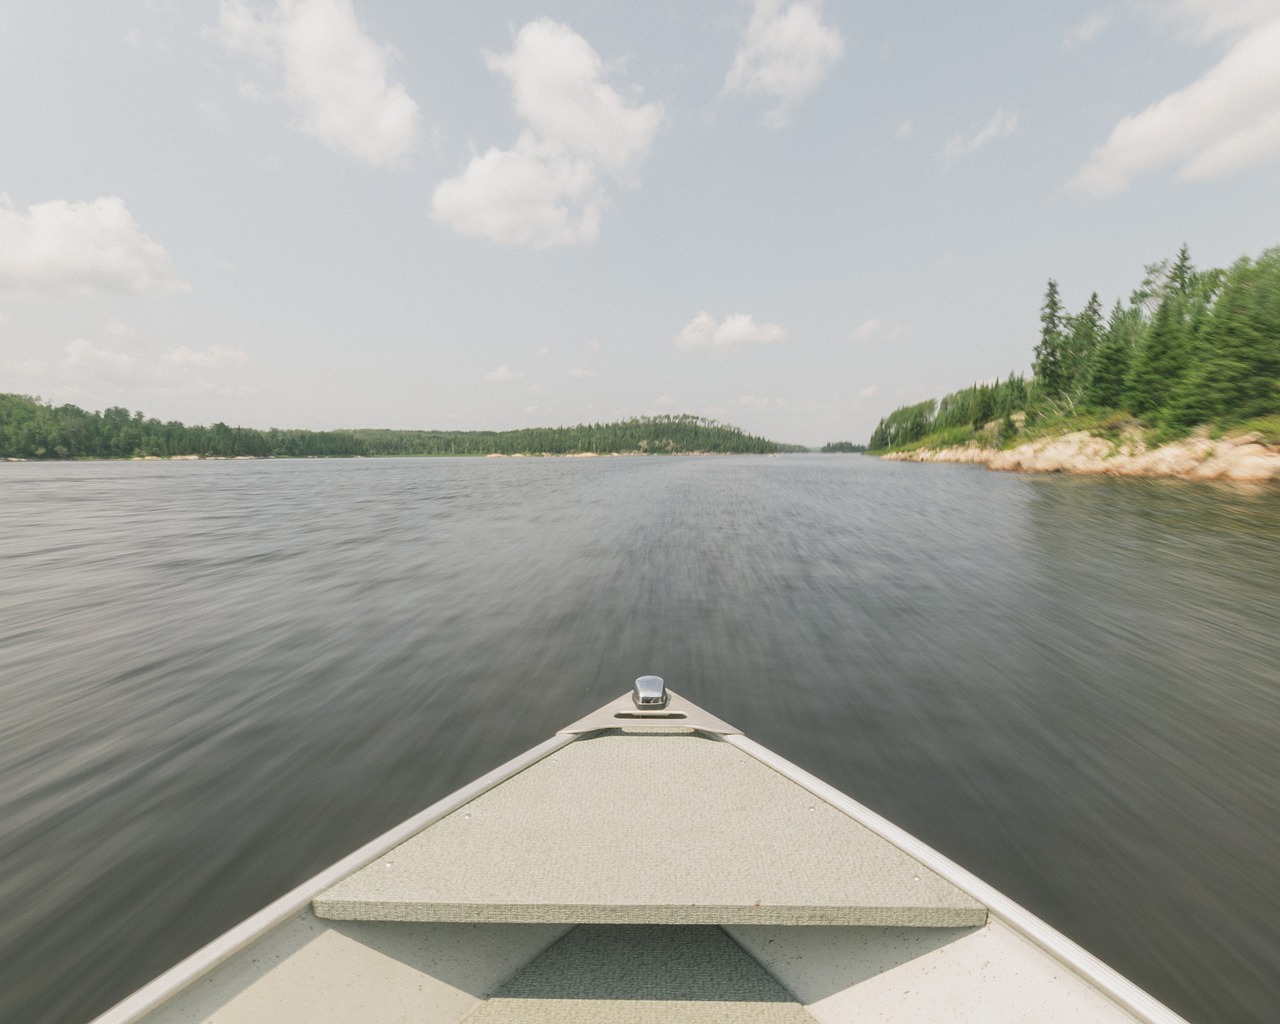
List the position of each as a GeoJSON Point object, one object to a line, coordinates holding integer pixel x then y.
{"type": "Point", "coordinates": [217, 678]}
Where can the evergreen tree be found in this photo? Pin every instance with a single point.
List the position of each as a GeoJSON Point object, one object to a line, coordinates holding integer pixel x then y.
{"type": "Point", "coordinates": [1084, 334]}
{"type": "Point", "coordinates": [1182, 272]}
{"type": "Point", "coordinates": [1159, 363]}
{"type": "Point", "coordinates": [1105, 386]}
{"type": "Point", "coordinates": [1237, 373]}
{"type": "Point", "coordinates": [1049, 369]}
{"type": "Point", "coordinates": [1158, 375]}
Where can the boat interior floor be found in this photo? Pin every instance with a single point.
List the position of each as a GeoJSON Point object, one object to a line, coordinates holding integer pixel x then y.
{"type": "Point", "coordinates": [629, 876]}
{"type": "Point", "coordinates": [334, 972]}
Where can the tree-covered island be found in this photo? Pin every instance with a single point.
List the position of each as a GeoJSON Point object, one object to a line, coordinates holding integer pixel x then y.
{"type": "Point", "coordinates": [1192, 350]}
{"type": "Point", "coordinates": [30, 429]}
{"type": "Point", "coordinates": [837, 447]}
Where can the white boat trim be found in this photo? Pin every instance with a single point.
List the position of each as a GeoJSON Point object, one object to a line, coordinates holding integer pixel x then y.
{"type": "Point", "coordinates": [153, 995]}
{"type": "Point", "coordinates": [1119, 988]}
{"type": "Point", "coordinates": [681, 716]}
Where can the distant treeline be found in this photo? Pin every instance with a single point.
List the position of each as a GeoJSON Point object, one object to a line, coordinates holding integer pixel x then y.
{"type": "Point", "coordinates": [1190, 347]}
{"type": "Point", "coordinates": [30, 429]}
{"type": "Point", "coordinates": [842, 446]}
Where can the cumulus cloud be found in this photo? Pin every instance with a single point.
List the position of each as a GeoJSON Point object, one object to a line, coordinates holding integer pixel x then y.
{"type": "Point", "coordinates": [1205, 20]}
{"type": "Point", "coordinates": [551, 187]}
{"type": "Point", "coordinates": [1003, 122]}
{"type": "Point", "coordinates": [62, 248]}
{"type": "Point", "coordinates": [101, 371]}
{"type": "Point", "coordinates": [1224, 122]}
{"type": "Point", "coordinates": [503, 373]}
{"type": "Point", "coordinates": [784, 54]}
{"type": "Point", "coordinates": [735, 331]}
{"type": "Point", "coordinates": [215, 357]}
{"type": "Point", "coordinates": [84, 358]}
{"type": "Point", "coordinates": [1087, 30]}
{"type": "Point", "coordinates": [533, 194]}
{"type": "Point", "coordinates": [333, 74]}
{"type": "Point", "coordinates": [877, 329]}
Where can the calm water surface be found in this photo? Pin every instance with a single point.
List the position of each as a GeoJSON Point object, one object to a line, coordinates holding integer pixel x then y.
{"type": "Point", "coordinates": [217, 678]}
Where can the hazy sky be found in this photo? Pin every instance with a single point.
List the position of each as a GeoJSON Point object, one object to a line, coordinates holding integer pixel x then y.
{"type": "Point", "coordinates": [789, 215]}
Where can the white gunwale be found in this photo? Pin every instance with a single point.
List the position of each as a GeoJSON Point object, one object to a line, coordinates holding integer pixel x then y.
{"type": "Point", "coordinates": [1144, 1007]}
{"type": "Point", "coordinates": [202, 961]}
{"type": "Point", "coordinates": [1124, 993]}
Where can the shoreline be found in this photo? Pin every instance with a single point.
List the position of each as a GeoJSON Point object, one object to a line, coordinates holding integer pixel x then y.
{"type": "Point", "coordinates": [1241, 459]}
{"type": "Point", "coordinates": [423, 455]}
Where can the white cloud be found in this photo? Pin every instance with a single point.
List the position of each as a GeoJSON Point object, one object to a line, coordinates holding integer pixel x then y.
{"type": "Point", "coordinates": [877, 329]}
{"type": "Point", "coordinates": [333, 74]}
{"type": "Point", "coordinates": [578, 373]}
{"type": "Point", "coordinates": [664, 402]}
{"type": "Point", "coordinates": [760, 402]}
{"type": "Point", "coordinates": [868, 392]}
{"type": "Point", "coordinates": [83, 358]}
{"type": "Point", "coordinates": [550, 187]}
{"type": "Point", "coordinates": [1003, 122]}
{"type": "Point", "coordinates": [98, 370]}
{"type": "Point", "coordinates": [503, 373]}
{"type": "Point", "coordinates": [904, 130]}
{"type": "Point", "coordinates": [1225, 121]}
{"type": "Point", "coordinates": [1087, 30]}
{"type": "Point", "coordinates": [735, 331]}
{"type": "Point", "coordinates": [866, 330]}
{"type": "Point", "coordinates": [784, 54]}
{"type": "Point", "coordinates": [1204, 20]}
{"type": "Point", "coordinates": [557, 86]}
{"type": "Point", "coordinates": [62, 248]}
{"type": "Point", "coordinates": [534, 194]}
{"type": "Point", "coordinates": [215, 357]}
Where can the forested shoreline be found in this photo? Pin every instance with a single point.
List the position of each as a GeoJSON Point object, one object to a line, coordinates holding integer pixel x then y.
{"type": "Point", "coordinates": [1191, 348]}
{"type": "Point", "coordinates": [30, 429]}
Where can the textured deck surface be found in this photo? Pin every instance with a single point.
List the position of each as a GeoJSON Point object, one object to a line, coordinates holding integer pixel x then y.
{"type": "Point", "coordinates": [650, 829]}
{"type": "Point", "coordinates": [618, 974]}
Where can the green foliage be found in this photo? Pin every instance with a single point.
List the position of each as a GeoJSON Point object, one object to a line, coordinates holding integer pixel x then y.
{"type": "Point", "coordinates": [1267, 427]}
{"type": "Point", "coordinates": [953, 419]}
{"type": "Point", "coordinates": [842, 446]}
{"type": "Point", "coordinates": [903, 426]}
{"type": "Point", "coordinates": [1084, 337]}
{"type": "Point", "coordinates": [32, 430]}
{"type": "Point", "coordinates": [1104, 386]}
{"type": "Point", "coordinates": [1192, 347]}
{"type": "Point", "coordinates": [1051, 357]}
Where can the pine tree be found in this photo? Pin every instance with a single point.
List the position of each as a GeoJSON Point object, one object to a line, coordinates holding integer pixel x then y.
{"type": "Point", "coordinates": [1049, 368]}
{"type": "Point", "coordinates": [1237, 373]}
{"type": "Point", "coordinates": [1084, 335]}
{"type": "Point", "coordinates": [1105, 386]}
{"type": "Point", "coordinates": [1155, 378]}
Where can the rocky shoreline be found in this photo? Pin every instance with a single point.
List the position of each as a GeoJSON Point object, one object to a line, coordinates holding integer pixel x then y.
{"type": "Point", "coordinates": [1242, 458]}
